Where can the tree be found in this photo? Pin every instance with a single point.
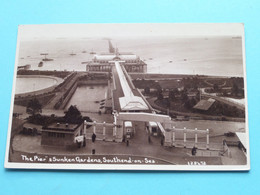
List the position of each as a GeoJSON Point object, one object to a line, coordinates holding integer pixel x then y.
{"type": "Point", "coordinates": [215, 87]}
{"type": "Point", "coordinates": [234, 89]}
{"type": "Point", "coordinates": [147, 90]}
{"type": "Point", "coordinates": [159, 90]}
{"type": "Point", "coordinates": [195, 83]}
{"type": "Point", "coordinates": [34, 107]}
{"type": "Point", "coordinates": [168, 103]}
{"type": "Point", "coordinates": [187, 104]}
{"type": "Point", "coordinates": [193, 102]}
{"type": "Point", "coordinates": [172, 94]}
{"type": "Point", "coordinates": [184, 96]}
{"type": "Point", "coordinates": [73, 115]}
{"type": "Point", "coordinates": [219, 109]}
{"type": "Point", "coordinates": [159, 96]}
{"type": "Point", "coordinates": [159, 93]}
{"type": "Point", "coordinates": [198, 96]}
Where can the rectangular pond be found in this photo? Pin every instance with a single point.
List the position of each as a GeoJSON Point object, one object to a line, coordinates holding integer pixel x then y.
{"type": "Point", "coordinates": [87, 97]}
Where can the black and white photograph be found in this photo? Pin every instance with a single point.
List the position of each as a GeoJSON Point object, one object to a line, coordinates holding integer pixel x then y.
{"type": "Point", "coordinates": [129, 97]}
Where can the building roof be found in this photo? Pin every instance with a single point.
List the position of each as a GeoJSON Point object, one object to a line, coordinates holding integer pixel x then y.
{"type": "Point", "coordinates": [204, 104]}
{"type": "Point", "coordinates": [62, 127]}
{"type": "Point", "coordinates": [132, 103]}
{"type": "Point", "coordinates": [153, 124]}
{"type": "Point", "coordinates": [109, 57]}
{"type": "Point", "coordinates": [128, 124]}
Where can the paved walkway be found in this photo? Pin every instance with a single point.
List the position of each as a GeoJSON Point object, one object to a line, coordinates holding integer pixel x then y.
{"type": "Point", "coordinates": [138, 146]}
{"type": "Point", "coordinates": [58, 96]}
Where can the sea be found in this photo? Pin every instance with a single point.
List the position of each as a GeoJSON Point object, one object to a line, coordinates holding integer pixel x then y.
{"type": "Point", "coordinates": [215, 56]}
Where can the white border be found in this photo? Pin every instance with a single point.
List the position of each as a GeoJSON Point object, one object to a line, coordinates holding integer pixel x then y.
{"type": "Point", "coordinates": [164, 29]}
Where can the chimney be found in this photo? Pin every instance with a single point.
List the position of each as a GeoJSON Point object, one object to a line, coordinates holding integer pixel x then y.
{"type": "Point", "coordinates": [67, 125]}
{"type": "Point", "coordinates": [58, 124]}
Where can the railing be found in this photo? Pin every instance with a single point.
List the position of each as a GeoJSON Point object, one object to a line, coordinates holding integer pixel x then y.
{"type": "Point", "coordinates": [104, 126]}
{"type": "Point", "coordinates": [195, 131]}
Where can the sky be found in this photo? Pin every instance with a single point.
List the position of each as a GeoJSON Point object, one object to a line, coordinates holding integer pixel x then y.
{"type": "Point", "coordinates": [48, 31]}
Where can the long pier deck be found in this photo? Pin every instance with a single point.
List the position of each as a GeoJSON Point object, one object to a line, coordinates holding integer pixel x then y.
{"type": "Point", "coordinates": [125, 96]}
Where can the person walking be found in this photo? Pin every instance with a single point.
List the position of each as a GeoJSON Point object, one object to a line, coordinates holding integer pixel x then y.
{"type": "Point", "coordinates": [194, 151]}
{"type": "Point", "coordinates": [93, 137]}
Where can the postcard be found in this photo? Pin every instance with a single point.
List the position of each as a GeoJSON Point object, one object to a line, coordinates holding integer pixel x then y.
{"type": "Point", "coordinates": [129, 97]}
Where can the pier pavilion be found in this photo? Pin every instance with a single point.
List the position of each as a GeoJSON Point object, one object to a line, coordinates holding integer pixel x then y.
{"type": "Point", "coordinates": [102, 62]}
